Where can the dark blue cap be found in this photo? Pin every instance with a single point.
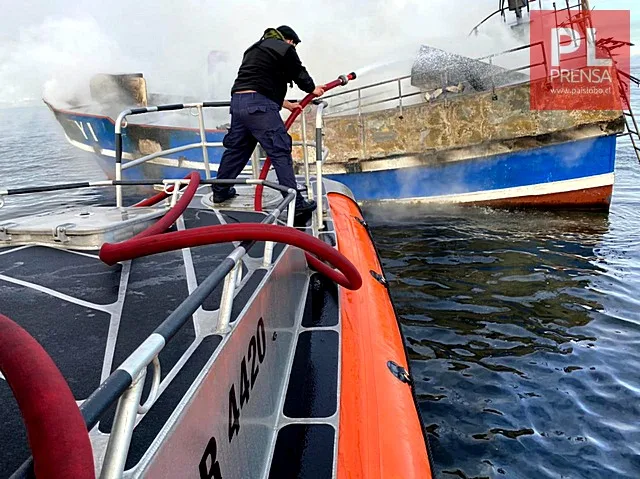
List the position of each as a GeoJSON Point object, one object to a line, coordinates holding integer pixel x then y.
{"type": "Point", "coordinates": [289, 34]}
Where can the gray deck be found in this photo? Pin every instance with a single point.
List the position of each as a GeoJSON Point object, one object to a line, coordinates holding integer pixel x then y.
{"type": "Point", "coordinates": [90, 317]}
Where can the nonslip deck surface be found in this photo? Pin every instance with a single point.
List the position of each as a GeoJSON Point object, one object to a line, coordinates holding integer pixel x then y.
{"type": "Point", "coordinates": [90, 317]}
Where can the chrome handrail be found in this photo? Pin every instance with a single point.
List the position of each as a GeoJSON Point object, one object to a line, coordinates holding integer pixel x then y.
{"type": "Point", "coordinates": [177, 149]}
{"type": "Point", "coordinates": [255, 159]}
{"type": "Point", "coordinates": [359, 101]}
{"type": "Point", "coordinates": [121, 123]}
{"type": "Point", "coordinates": [305, 156]}
{"type": "Point", "coordinates": [125, 384]}
{"type": "Point", "coordinates": [319, 160]}
{"type": "Point", "coordinates": [135, 365]}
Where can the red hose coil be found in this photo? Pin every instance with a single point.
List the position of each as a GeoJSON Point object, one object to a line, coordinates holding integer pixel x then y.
{"type": "Point", "coordinates": [154, 199]}
{"type": "Point", "coordinates": [346, 276]}
{"type": "Point", "coordinates": [174, 213]}
{"type": "Point", "coordinates": [57, 432]}
{"type": "Point", "coordinates": [162, 195]}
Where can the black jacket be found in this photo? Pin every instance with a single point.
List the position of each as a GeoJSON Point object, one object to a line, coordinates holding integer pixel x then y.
{"type": "Point", "coordinates": [268, 66]}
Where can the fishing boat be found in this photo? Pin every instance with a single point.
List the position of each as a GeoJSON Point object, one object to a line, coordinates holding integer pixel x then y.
{"type": "Point", "coordinates": [457, 130]}
{"type": "Point", "coordinates": [453, 130]}
{"type": "Point", "coordinates": [174, 337]}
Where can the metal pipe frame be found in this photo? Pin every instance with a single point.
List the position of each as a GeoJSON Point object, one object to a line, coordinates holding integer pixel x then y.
{"type": "Point", "coordinates": [203, 142]}
{"type": "Point", "coordinates": [231, 279]}
{"type": "Point", "coordinates": [361, 124]}
{"type": "Point", "coordinates": [150, 182]}
{"type": "Point", "coordinates": [118, 132]}
{"type": "Point", "coordinates": [122, 430]}
{"type": "Point", "coordinates": [290, 204]}
{"type": "Point", "coordinates": [155, 387]}
{"type": "Point", "coordinates": [228, 292]}
{"type": "Point", "coordinates": [305, 157]}
{"type": "Point", "coordinates": [311, 144]}
{"type": "Point", "coordinates": [365, 87]}
{"type": "Point", "coordinates": [255, 164]}
{"type": "Point", "coordinates": [361, 104]}
{"type": "Point", "coordinates": [365, 97]}
{"type": "Point", "coordinates": [118, 382]}
{"type": "Point", "coordinates": [150, 109]}
{"type": "Point", "coordinates": [319, 159]}
{"type": "Point", "coordinates": [291, 213]}
{"type": "Point", "coordinates": [175, 193]}
{"type": "Point", "coordinates": [177, 149]}
{"type": "Point", "coordinates": [268, 254]}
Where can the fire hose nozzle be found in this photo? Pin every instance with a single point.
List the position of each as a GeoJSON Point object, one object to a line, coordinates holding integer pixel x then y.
{"type": "Point", "coordinates": [344, 79]}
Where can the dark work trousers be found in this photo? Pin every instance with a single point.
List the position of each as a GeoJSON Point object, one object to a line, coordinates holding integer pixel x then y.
{"type": "Point", "coordinates": [256, 118]}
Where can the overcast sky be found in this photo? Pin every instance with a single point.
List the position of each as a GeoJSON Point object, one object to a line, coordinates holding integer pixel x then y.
{"type": "Point", "coordinates": [55, 45]}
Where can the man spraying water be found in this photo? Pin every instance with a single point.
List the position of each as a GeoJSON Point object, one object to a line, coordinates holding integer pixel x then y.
{"type": "Point", "coordinates": [257, 97]}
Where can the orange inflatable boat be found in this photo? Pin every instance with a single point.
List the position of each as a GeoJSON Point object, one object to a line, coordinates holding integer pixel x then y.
{"type": "Point", "coordinates": [381, 434]}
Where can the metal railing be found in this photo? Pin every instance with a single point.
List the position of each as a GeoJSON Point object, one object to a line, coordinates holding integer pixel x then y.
{"type": "Point", "coordinates": [203, 144]}
{"type": "Point", "coordinates": [126, 383]}
{"type": "Point", "coordinates": [631, 124]}
{"type": "Point", "coordinates": [401, 92]}
{"type": "Point", "coordinates": [256, 159]}
{"type": "Point", "coordinates": [502, 9]}
{"type": "Point", "coordinates": [319, 160]}
{"type": "Point", "coordinates": [363, 101]}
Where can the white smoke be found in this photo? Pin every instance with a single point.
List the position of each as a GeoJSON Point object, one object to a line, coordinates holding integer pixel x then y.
{"type": "Point", "coordinates": [56, 59]}
{"type": "Point", "coordinates": [54, 54]}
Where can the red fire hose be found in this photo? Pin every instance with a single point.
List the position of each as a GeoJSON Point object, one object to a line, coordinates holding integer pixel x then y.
{"type": "Point", "coordinates": [162, 195]}
{"type": "Point", "coordinates": [342, 80]}
{"type": "Point", "coordinates": [151, 241]}
{"type": "Point", "coordinates": [56, 430]}
{"type": "Point", "coordinates": [154, 200]}
{"type": "Point", "coordinates": [346, 276]}
{"type": "Point", "coordinates": [174, 213]}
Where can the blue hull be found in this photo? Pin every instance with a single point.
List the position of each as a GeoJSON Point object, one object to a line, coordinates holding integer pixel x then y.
{"type": "Point", "coordinates": [96, 134]}
{"type": "Point", "coordinates": [525, 169]}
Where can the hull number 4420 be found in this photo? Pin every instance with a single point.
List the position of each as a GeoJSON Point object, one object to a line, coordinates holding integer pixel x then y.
{"type": "Point", "coordinates": [209, 466]}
